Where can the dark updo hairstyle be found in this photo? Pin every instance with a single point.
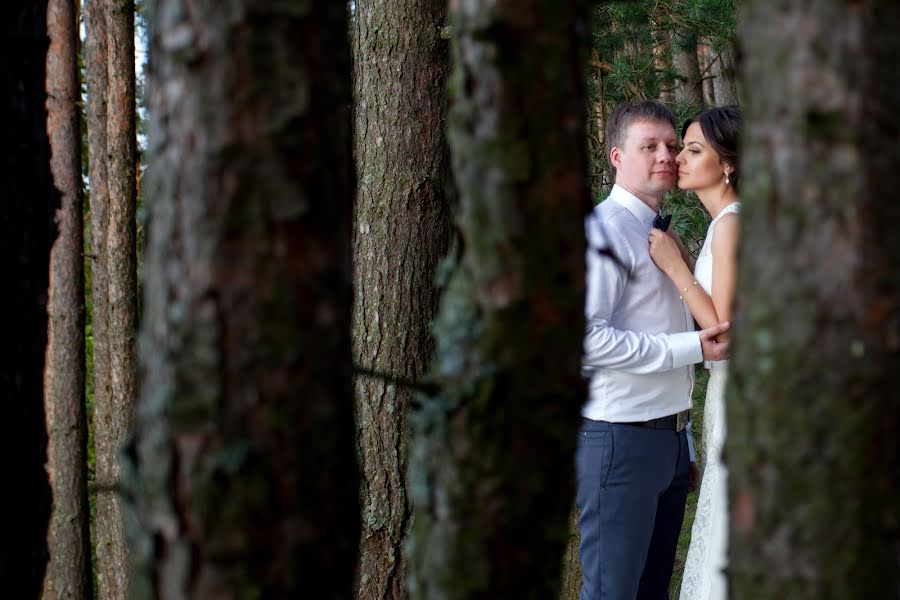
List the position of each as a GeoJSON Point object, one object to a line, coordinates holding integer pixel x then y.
{"type": "Point", "coordinates": [721, 126]}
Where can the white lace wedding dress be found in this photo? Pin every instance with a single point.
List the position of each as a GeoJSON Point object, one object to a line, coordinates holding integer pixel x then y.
{"type": "Point", "coordinates": [707, 555]}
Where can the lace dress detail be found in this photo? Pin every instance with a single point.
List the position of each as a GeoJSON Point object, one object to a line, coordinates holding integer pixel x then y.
{"type": "Point", "coordinates": [704, 578]}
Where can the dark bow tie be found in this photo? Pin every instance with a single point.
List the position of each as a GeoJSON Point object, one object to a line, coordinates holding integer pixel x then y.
{"type": "Point", "coordinates": [662, 222]}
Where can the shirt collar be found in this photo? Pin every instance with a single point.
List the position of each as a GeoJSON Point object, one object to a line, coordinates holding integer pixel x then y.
{"type": "Point", "coordinates": [635, 205]}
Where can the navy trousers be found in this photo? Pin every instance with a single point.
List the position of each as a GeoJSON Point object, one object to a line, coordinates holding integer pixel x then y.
{"type": "Point", "coordinates": [632, 486]}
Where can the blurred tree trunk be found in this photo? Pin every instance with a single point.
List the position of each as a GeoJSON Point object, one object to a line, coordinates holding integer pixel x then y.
{"type": "Point", "coordinates": [27, 231]}
{"type": "Point", "coordinates": [242, 468]}
{"type": "Point", "coordinates": [401, 232]}
{"type": "Point", "coordinates": [813, 415]}
{"type": "Point", "coordinates": [492, 469]}
{"type": "Point", "coordinates": [705, 56]}
{"type": "Point", "coordinates": [662, 56]}
{"type": "Point", "coordinates": [112, 412]}
{"type": "Point", "coordinates": [69, 540]}
{"type": "Point", "coordinates": [689, 87]}
{"type": "Point", "coordinates": [724, 77]}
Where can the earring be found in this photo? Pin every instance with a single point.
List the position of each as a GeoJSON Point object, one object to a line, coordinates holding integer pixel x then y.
{"type": "Point", "coordinates": [727, 181]}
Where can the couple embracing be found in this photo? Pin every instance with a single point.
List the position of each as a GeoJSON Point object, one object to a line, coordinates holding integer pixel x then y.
{"type": "Point", "coordinates": [634, 460]}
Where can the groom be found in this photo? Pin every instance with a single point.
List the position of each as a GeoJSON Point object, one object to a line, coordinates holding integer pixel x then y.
{"type": "Point", "coordinates": [640, 343]}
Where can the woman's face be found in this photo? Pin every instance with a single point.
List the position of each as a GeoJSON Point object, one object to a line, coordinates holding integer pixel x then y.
{"type": "Point", "coordinates": [699, 166]}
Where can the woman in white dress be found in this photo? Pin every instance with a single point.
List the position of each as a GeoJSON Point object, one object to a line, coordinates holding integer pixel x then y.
{"type": "Point", "coordinates": [708, 166]}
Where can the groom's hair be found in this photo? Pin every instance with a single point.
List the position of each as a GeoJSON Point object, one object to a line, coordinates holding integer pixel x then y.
{"type": "Point", "coordinates": [630, 112]}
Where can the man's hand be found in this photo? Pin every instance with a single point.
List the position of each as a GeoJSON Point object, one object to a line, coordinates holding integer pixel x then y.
{"type": "Point", "coordinates": [712, 348]}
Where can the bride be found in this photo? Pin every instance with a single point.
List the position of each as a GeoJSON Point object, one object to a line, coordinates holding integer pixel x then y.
{"type": "Point", "coordinates": [707, 165]}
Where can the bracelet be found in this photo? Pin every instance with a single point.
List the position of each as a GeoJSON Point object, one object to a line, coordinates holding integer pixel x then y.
{"type": "Point", "coordinates": [685, 290]}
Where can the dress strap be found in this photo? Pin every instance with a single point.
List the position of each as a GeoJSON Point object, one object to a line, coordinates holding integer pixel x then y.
{"type": "Point", "coordinates": [734, 207]}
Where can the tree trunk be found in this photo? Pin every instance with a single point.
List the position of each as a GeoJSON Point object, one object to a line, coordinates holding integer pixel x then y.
{"type": "Point", "coordinates": [662, 57]}
{"type": "Point", "coordinates": [401, 232]}
{"type": "Point", "coordinates": [724, 77]}
{"type": "Point", "coordinates": [243, 470]}
{"type": "Point", "coordinates": [689, 88]}
{"type": "Point", "coordinates": [96, 76]}
{"type": "Point", "coordinates": [570, 587]}
{"type": "Point", "coordinates": [28, 202]}
{"type": "Point", "coordinates": [705, 56]}
{"type": "Point", "coordinates": [813, 421]}
{"type": "Point", "coordinates": [69, 540]}
{"type": "Point", "coordinates": [112, 413]}
{"type": "Point", "coordinates": [492, 464]}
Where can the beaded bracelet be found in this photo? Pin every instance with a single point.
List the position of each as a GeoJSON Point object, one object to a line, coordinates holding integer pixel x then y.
{"type": "Point", "coordinates": [685, 290]}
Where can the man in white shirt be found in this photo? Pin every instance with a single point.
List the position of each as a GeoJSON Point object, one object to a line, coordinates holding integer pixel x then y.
{"type": "Point", "coordinates": [640, 345]}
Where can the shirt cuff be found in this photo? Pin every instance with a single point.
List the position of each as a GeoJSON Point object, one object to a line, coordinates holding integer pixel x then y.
{"type": "Point", "coordinates": [686, 349]}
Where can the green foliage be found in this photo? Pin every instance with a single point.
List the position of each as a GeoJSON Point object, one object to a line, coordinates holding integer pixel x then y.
{"type": "Point", "coordinates": [633, 42]}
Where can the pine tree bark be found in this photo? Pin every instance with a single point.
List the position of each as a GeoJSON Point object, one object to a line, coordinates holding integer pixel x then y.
{"type": "Point", "coordinates": [492, 464]}
{"type": "Point", "coordinates": [689, 88]}
{"type": "Point", "coordinates": [401, 232]}
{"type": "Point", "coordinates": [96, 77]}
{"type": "Point", "coordinates": [813, 419]}
{"type": "Point", "coordinates": [113, 412]}
{"type": "Point", "coordinates": [27, 231]}
{"type": "Point", "coordinates": [705, 56]}
{"type": "Point", "coordinates": [243, 470]}
{"type": "Point", "coordinates": [724, 77]}
{"type": "Point", "coordinates": [69, 570]}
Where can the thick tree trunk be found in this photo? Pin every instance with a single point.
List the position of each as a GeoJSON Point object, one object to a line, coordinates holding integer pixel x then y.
{"type": "Point", "coordinates": [724, 77]}
{"type": "Point", "coordinates": [492, 464]}
{"type": "Point", "coordinates": [687, 62]}
{"type": "Point", "coordinates": [69, 540]}
{"type": "Point", "coordinates": [28, 202]}
{"type": "Point", "coordinates": [401, 232]}
{"type": "Point", "coordinates": [243, 468]}
{"type": "Point", "coordinates": [112, 414]}
{"type": "Point", "coordinates": [813, 415]}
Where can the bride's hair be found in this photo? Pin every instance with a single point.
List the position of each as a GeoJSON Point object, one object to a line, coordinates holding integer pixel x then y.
{"type": "Point", "coordinates": [721, 126]}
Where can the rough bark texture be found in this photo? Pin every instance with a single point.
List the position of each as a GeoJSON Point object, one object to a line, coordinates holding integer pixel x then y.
{"type": "Point", "coordinates": [96, 76]}
{"type": "Point", "coordinates": [401, 232]}
{"type": "Point", "coordinates": [243, 469]}
{"type": "Point", "coordinates": [69, 540]}
{"type": "Point", "coordinates": [813, 418]}
{"type": "Point", "coordinates": [112, 416]}
{"type": "Point", "coordinates": [689, 87]}
{"type": "Point", "coordinates": [28, 203]}
{"type": "Point", "coordinates": [570, 586]}
{"type": "Point", "coordinates": [492, 464]}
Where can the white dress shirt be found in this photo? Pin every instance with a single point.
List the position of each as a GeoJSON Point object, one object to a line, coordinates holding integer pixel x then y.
{"type": "Point", "coordinates": [640, 341]}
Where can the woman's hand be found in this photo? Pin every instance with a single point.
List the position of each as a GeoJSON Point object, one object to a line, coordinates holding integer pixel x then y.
{"type": "Point", "coordinates": [664, 252]}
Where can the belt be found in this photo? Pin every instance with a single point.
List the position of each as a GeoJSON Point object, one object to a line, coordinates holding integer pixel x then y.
{"type": "Point", "coordinates": [676, 422]}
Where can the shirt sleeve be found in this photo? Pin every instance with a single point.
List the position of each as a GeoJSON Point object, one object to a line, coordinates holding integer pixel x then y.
{"type": "Point", "coordinates": [606, 347]}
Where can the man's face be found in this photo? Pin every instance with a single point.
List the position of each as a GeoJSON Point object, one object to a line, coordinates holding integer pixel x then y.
{"type": "Point", "coordinates": [645, 164]}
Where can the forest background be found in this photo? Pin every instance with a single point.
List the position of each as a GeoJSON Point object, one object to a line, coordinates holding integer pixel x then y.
{"type": "Point", "coordinates": [190, 469]}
